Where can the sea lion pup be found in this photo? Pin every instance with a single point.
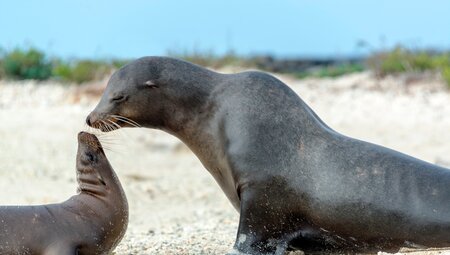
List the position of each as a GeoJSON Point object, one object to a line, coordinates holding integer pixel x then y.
{"type": "Point", "coordinates": [91, 222]}
{"type": "Point", "coordinates": [296, 182]}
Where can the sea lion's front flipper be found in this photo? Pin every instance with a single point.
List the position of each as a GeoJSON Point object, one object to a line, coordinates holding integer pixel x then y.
{"type": "Point", "coordinates": [61, 249]}
{"type": "Point", "coordinates": [261, 229]}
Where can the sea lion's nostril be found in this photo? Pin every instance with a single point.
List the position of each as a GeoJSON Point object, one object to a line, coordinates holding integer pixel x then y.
{"type": "Point", "coordinates": [88, 120]}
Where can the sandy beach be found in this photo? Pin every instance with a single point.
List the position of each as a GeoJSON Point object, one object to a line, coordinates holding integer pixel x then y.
{"type": "Point", "coordinates": [175, 205]}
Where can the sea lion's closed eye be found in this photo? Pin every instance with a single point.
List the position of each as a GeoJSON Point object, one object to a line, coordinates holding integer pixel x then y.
{"type": "Point", "coordinates": [119, 98]}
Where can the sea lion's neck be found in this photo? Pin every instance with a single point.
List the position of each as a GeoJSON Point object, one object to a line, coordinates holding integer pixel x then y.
{"type": "Point", "coordinates": [100, 195]}
{"type": "Point", "coordinates": [100, 206]}
{"type": "Point", "coordinates": [98, 184]}
{"type": "Point", "coordinates": [192, 103]}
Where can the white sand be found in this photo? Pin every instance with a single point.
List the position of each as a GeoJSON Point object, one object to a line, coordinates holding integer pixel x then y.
{"type": "Point", "coordinates": [175, 205]}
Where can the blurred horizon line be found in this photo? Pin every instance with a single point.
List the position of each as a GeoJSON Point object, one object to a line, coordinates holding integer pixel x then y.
{"type": "Point", "coordinates": [365, 51]}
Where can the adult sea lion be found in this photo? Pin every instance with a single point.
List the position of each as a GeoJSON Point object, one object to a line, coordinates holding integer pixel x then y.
{"type": "Point", "coordinates": [91, 222]}
{"type": "Point", "coordinates": [296, 182]}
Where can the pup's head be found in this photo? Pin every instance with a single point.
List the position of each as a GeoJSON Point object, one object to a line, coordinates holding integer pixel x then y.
{"type": "Point", "coordinates": [92, 163]}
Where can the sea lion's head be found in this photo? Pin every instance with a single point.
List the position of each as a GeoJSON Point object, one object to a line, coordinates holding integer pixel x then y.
{"type": "Point", "coordinates": [92, 163]}
{"type": "Point", "coordinates": [96, 179]}
{"type": "Point", "coordinates": [149, 92]}
{"type": "Point", "coordinates": [132, 89]}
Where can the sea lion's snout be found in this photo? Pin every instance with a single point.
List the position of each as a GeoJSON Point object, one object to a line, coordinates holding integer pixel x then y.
{"type": "Point", "coordinates": [88, 120]}
{"type": "Point", "coordinates": [92, 119]}
{"type": "Point", "coordinates": [108, 122]}
{"type": "Point", "coordinates": [89, 151]}
{"type": "Point", "coordinates": [85, 136]}
{"type": "Point", "coordinates": [91, 140]}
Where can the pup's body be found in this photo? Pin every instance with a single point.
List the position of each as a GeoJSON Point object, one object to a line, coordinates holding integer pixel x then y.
{"type": "Point", "coordinates": [91, 222]}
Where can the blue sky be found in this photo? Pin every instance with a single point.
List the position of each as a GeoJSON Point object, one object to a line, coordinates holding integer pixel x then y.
{"type": "Point", "coordinates": [134, 28]}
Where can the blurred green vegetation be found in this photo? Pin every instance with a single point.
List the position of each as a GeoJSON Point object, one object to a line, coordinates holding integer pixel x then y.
{"type": "Point", "coordinates": [401, 60]}
{"type": "Point", "coordinates": [82, 70]}
{"type": "Point", "coordinates": [210, 59]}
{"type": "Point", "coordinates": [331, 71]}
{"type": "Point", "coordinates": [31, 63]}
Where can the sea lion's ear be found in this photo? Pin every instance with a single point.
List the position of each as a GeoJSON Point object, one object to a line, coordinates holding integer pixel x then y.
{"type": "Point", "coordinates": [151, 84]}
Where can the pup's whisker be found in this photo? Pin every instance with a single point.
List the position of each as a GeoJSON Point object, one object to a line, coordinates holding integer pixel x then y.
{"type": "Point", "coordinates": [111, 150]}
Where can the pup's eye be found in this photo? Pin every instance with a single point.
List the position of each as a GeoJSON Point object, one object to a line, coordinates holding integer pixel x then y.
{"type": "Point", "coordinates": [90, 157]}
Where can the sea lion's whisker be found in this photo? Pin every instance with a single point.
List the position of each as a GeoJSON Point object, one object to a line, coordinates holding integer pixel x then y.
{"type": "Point", "coordinates": [115, 127]}
{"type": "Point", "coordinates": [99, 126]}
{"type": "Point", "coordinates": [108, 138]}
{"type": "Point", "coordinates": [118, 127]}
{"type": "Point", "coordinates": [109, 142]}
{"type": "Point", "coordinates": [107, 126]}
{"type": "Point", "coordinates": [92, 130]}
{"type": "Point", "coordinates": [107, 148]}
{"type": "Point", "coordinates": [126, 120]}
{"type": "Point", "coordinates": [86, 127]}
{"type": "Point", "coordinates": [123, 120]}
{"type": "Point", "coordinates": [104, 135]}
{"type": "Point", "coordinates": [105, 138]}
{"type": "Point", "coordinates": [103, 126]}
{"type": "Point", "coordinates": [113, 123]}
